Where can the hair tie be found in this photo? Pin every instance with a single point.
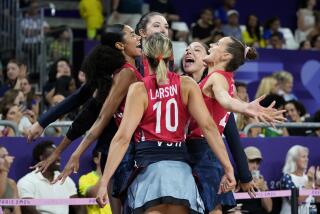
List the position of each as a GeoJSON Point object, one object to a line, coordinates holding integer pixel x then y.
{"type": "Point", "coordinates": [159, 57]}
{"type": "Point", "coordinates": [246, 50]}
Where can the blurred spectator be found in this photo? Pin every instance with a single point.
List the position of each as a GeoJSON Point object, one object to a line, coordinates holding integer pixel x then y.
{"type": "Point", "coordinates": [54, 131]}
{"type": "Point", "coordinates": [221, 12]}
{"type": "Point", "coordinates": [89, 183]}
{"type": "Point", "coordinates": [33, 28]}
{"type": "Point", "coordinates": [242, 93]}
{"type": "Point", "coordinates": [305, 45]}
{"type": "Point", "coordinates": [23, 67]}
{"type": "Point", "coordinates": [38, 185]}
{"type": "Point", "coordinates": [24, 3]}
{"type": "Point", "coordinates": [305, 20]}
{"type": "Point", "coordinates": [256, 206]}
{"type": "Point", "coordinates": [232, 28]}
{"type": "Point", "coordinates": [217, 35]}
{"type": "Point", "coordinates": [61, 47]}
{"type": "Point", "coordinates": [11, 77]}
{"type": "Point", "coordinates": [65, 85]}
{"type": "Point", "coordinates": [279, 105]}
{"type": "Point", "coordinates": [11, 97]}
{"type": "Point", "coordinates": [285, 80]}
{"type": "Point", "coordinates": [268, 85]}
{"type": "Point", "coordinates": [31, 101]}
{"type": "Point", "coordinates": [316, 30]}
{"type": "Point", "coordinates": [276, 41]}
{"type": "Point", "coordinates": [14, 114]}
{"type": "Point", "coordinates": [60, 68]}
{"type": "Point", "coordinates": [81, 77]}
{"type": "Point", "coordinates": [8, 187]}
{"type": "Point", "coordinates": [92, 13]}
{"type": "Point", "coordinates": [243, 121]}
{"type": "Point", "coordinates": [252, 34]}
{"type": "Point", "coordinates": [294, 176]}
{"type": "Point", "coordinates": [315, 42]}
{"type": "Point", "coordinates": [272, 26]}
{"type": "Point", "coordinates": [295, 112]}
{"type": "Point", "coordinates": [126, 12]}
{"type": "Point", "coordinates": [316, 131]}
{"type": "Point", "coordinates": [203, 29]}
{"type": "Point", "coordinates": [165, 7]}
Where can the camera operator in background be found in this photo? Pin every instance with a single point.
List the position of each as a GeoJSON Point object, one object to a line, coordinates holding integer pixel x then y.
{"type": "Point", "coordinates": [261, 205]}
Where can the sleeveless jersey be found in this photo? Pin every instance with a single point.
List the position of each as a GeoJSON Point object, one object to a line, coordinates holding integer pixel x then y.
{"type": "Point", "coordinates": [119, 113]}
{"type": "Point", "coordinates": [166, 117]}
{"type": "Point", "coordinates": [218, 113]}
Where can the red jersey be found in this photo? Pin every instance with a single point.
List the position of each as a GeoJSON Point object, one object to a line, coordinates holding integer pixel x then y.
{"type": "Point", "coordinates": [218, 113]}
{"type": "Point", "coordinates": [119, 113]}
{"type": "Point", "coordinates": [166, 117]}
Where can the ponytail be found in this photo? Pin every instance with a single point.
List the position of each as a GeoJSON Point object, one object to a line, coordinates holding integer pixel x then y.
{"type": "Point", "coordinates": [161, 70]}
{"type": "Point", "coordinates": [158, 50]}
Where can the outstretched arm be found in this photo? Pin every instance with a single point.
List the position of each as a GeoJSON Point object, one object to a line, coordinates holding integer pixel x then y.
{"type": "Point", "coordinates": [136, 104]}
{"type": "Point", "coordinates": [119, 89]}
{"type": "Point", "coordinates": [219, 87]}
{"type": "Point", "coordinates": [80, 125]}
{"type": "Point", "coordinates": [73, 101]}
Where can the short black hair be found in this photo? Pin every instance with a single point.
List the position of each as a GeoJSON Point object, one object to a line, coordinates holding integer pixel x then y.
{"type": "Point", "coordinates": [95, 153]}
{"type": "Point", "coordinates": [316, 117]}
{"type": "Point", "coordinates": [299, 106]}
{"type": "Point", "coordinates": [40, 148]}
{"type": "Point", "coordinates": [273, 97]}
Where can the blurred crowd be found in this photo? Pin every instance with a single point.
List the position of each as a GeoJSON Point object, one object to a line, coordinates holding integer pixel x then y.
{"type": "Point", "coordinates": [22, 100]}
{"type": "Point", "coordinates": [296, 173]}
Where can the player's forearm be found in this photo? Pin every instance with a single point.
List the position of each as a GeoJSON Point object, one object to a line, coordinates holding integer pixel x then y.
{"type": "Point", "coordinates": [229, 103]}
{"type": "Point", "coordinates": [118, 147]}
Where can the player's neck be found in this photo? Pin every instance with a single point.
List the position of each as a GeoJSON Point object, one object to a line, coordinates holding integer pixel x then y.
{"type": "Point", "coordinates": [212, 68]}
{"type": "Point", "coordinates": [197, 75]}
{"type": "Point", "coordinates": [130, 60]}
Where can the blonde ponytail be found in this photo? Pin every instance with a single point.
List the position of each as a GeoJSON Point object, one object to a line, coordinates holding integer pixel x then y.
{"type": "Point", "coordinates": [158, 49]}
{"type": "Point", "coordinates": [161, 71]}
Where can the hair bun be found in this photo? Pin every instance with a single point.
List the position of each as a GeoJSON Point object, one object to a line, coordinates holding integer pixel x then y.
{"type": "Point", "coordinates": [251, 53]}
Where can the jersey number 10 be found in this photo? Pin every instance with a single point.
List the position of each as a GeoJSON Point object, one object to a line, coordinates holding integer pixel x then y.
{"type": "Point", "coordinates": [169, 126]}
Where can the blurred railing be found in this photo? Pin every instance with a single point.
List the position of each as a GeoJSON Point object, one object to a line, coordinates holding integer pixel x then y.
{"type": "Point", "coordinates": [12, 125]}
{"type": "Point", "coordinates": [60, 124]}
{"type": "Point", "coordinates": [8, 27]}
{"type": "Point", "coordinates": [283, 125]}
{"type": "Point", "coordinates": [31, 45]}
{"type": "Point", "coordinates": [59, 44]}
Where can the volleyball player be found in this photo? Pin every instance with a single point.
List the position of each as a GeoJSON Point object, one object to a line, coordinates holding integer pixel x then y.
{"type": "Point", "coordinates": [192, 64]}
{"type": "Point", "coordinates": [217, 89]}
{"type": "Point", "coordinates": [159, 108]}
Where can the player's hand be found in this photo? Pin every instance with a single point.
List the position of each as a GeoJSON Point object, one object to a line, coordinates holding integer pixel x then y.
{"type": "Point", "coordinates": [42, 166]}
{"type": "Point", "coordinates": [228, 182]}
{"type": "Point", "coordinates": [71, 167]}
{"type": "Point", "coordinates": [34, 132]}
{"type": "Point", "coordinates": [267, 115]}
{"type": "Point", "coordinates": [102, 195]}
{"type": "Point", "coordinates": [249, 188]}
